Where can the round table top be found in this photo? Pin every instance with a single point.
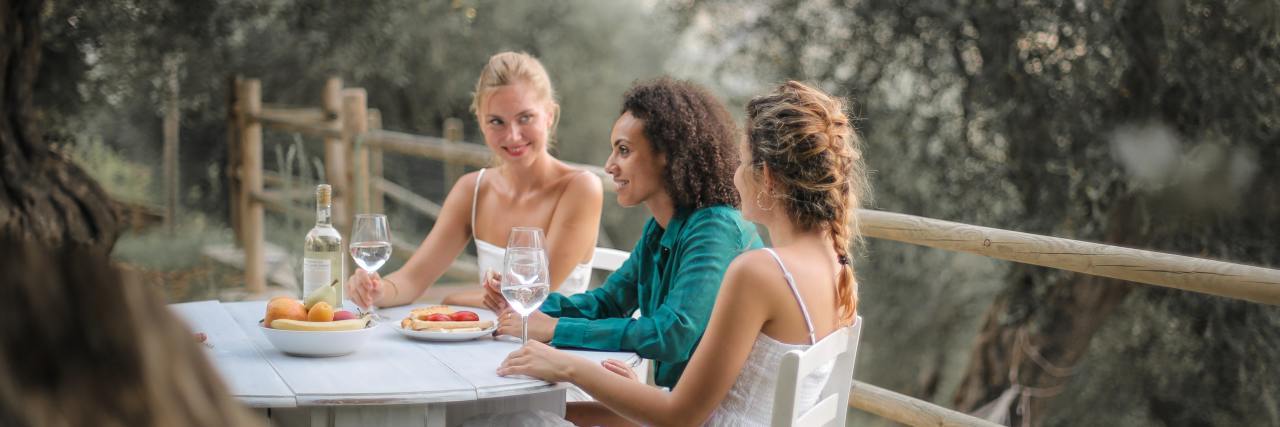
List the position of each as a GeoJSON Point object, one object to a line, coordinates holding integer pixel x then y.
{"type": "Point", "coordinates": [389, 369]}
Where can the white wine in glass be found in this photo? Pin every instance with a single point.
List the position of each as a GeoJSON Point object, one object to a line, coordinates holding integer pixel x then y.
{"type": "Point", "coordinates": [525, 278]}
{"type": "Point", "coordinates": [371, 246]}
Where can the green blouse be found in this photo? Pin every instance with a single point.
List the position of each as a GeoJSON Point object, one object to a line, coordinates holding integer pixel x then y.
{"type": "Point", "coordinates": [672, 277]}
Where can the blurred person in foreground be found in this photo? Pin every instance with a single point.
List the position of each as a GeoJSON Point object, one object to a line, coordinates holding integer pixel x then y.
{"type": "Point", "coordinates": [81, 346]}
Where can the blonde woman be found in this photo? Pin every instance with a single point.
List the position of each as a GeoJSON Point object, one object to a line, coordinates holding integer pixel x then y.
{"type": "Point", "coordinates": [515, 105]}
{"type": "Point", "coordinates": [802, 178]}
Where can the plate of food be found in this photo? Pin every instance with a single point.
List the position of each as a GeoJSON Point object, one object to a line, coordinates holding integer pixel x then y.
{"type": "Point", "coordinates": [445, 323]}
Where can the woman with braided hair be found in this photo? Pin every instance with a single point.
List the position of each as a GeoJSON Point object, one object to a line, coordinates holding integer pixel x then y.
{"type": "Point", "coordinates": [802, 177]}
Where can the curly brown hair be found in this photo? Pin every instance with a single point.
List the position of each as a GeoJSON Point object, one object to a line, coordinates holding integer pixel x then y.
{"type": "Point", "coordinates": [695, 132]}
{"type": "Point", "coordinates": [812, 152]}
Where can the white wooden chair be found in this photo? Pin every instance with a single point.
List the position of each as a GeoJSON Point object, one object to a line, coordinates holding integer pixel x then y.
{"type": "Point", "coordinates": [832, 406]}
{"type": "Point", "coordinates": [608, 259]}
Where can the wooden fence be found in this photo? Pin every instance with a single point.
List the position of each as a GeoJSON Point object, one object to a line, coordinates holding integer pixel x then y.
{"type": "Point", "coordinates": [354, 144]}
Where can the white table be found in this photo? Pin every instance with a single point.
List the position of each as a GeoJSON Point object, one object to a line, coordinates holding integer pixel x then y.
{"type": "Point", "coordinates": [391, 380]}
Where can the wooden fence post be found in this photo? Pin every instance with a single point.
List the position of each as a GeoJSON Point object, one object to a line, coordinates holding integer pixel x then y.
{"type": "Point", "coordinates": [250, 98]}
{"type": "Point", "coordinates": [355, 122]}
{"type": "Point", "coordinates": [233, 156]}
{"type": "Point", "coordinates": [335, 171]}
{"type": "Point", "coordinates": [452, 170]}
{"type": "Point", "coordinates": [356, 159]}
{"type": "Point", "coordinates": [375, 166]}
{"type": "Point", "coordinates": [170, 150]}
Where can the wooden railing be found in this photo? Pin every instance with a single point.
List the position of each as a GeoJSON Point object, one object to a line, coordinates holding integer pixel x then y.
{"type": "Point", "coordinates": [350, 132]}
{"type": "Point", "coordinates": [1256, 284]}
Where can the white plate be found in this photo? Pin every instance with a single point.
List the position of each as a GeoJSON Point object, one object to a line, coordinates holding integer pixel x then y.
{"type": "Point", "coordinates": [402, 312]}
{"type": "Point", "coordinates": [445, 336]}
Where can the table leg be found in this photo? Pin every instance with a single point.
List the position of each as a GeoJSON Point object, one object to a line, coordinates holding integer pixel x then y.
{"type": "Point", "coordinates": [432, 415]}
{"type": "Point", "coordinates": [551, 401]}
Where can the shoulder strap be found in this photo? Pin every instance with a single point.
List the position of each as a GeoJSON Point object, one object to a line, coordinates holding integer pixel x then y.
{"type": "Point", "coordinates": [792, 283]}
{"type": "Point", "coordinates": [475, 198]}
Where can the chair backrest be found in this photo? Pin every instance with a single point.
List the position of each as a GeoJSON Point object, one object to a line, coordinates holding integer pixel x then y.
{"type": "Point", "coordinates": [608, 259]}
{"type": "Point", "coordinates": [832, 406]}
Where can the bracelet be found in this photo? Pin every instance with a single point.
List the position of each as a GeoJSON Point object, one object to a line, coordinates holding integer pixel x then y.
{"type": "Point", "coordinates": [393, 285]}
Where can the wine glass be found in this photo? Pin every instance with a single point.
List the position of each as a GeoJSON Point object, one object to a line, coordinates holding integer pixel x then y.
{"type": "Point", "coordinates": [525, 279]}
{"type": "Point", "coordinates": [371, 246]}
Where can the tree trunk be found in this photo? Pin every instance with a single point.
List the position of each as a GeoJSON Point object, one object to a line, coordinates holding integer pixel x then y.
{"type": "Point", "coordinates": [1036, 332]}
{"type": "Point", "coordinates": [43, 195]}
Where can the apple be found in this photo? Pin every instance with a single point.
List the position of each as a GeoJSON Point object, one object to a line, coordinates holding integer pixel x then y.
{"type": "Point", "coordinates": [343, 315]}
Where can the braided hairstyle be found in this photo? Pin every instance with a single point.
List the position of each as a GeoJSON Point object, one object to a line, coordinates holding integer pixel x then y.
{"type": "Point", "coordinates": [813, 156]}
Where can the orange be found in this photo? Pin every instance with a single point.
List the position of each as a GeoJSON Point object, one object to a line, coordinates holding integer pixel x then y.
{"type": "Point", "coordinates": [284, 308]}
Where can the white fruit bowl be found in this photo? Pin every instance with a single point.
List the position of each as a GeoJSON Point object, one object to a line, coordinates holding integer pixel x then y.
{"type": "Point", "coordinates": [318, 343]}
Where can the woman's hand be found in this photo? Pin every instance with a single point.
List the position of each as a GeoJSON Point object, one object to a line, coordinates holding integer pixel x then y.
{"type": "Point", "coordinates": [540, 361]}
{"type": "Point", "coordinates": [621, 368]}
{"type": "Point", "coordinates": [493, 299]}
{"type": "Point", "coordinates": [541, 326]}
{"type": "Point", "coordinates": [365, 288]}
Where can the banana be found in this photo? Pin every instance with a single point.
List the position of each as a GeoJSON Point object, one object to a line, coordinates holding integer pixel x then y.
{"type": "Point", "coordinates": [302, 325]}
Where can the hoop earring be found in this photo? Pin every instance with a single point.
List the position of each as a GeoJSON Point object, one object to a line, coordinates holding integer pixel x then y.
{"type": "Point", "coordinates": [760, 204]}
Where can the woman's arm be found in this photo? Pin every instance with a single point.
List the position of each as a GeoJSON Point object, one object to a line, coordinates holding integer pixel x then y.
{"type": "Point", "coordinates": [669, 331]}
{"type": "Point", "coordinates": [447, 238]}
{"type": "Point", "coordinates": [741, 309]}
{"type": "Point", "coordinates": [575, 223]}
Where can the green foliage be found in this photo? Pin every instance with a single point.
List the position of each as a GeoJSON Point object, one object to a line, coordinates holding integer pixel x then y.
{"type": "Point", "coordinates": [418, 61]}
{"type": "Point", "coordinates": [157, 249]}
{"type": "Point", "coordinates": [122, 178]}
{"type": "Point", "coordinates": [1046, 117]}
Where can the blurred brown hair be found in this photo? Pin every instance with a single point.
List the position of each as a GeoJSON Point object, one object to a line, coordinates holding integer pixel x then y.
{"type": "Point", "coordinates": [811, 150]}
{"type": "Point", "coordinates": [80, 346]}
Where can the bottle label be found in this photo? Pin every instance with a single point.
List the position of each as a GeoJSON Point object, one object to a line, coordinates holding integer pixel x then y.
{"type": "Point", "coordinates": [315, 274]}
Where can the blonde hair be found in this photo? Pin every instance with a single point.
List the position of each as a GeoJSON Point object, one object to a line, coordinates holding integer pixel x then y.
{"type": "Point", "coordinates": [812, 153]}
{"type": "Point", "coordinates": [508, 68]}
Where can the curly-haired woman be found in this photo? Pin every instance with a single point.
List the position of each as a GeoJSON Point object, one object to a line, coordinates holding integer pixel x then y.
{"type": "Point", "coordinates": [674, 150]}
{"type": "Point", "coordinates": [803, 177]}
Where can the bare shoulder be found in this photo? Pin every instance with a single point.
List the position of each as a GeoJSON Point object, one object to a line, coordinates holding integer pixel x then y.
{"type": "Point", "coordinates": [466, 182]}
{"type": "Point", "coordinates": [463, 191]}
{"type": "Point", "coordinates": [754, 271]}
{"type": "Point", "coordinates": [582, 185]}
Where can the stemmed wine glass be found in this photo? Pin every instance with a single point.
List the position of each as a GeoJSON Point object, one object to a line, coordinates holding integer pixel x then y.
{"type": "Point", "coordinates": [525, 279]}
{"type": "Point", "coordinates": [371, 246]}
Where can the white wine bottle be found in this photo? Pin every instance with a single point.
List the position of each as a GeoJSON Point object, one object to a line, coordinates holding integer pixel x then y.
{"type": "Point", "coordinates": [322, 264]}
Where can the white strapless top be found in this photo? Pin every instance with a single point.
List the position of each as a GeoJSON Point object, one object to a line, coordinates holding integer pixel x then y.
{"type": "Point", "coordinates": [490, 256]}
{"type": "Point", "coordinates": [750, 400]}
